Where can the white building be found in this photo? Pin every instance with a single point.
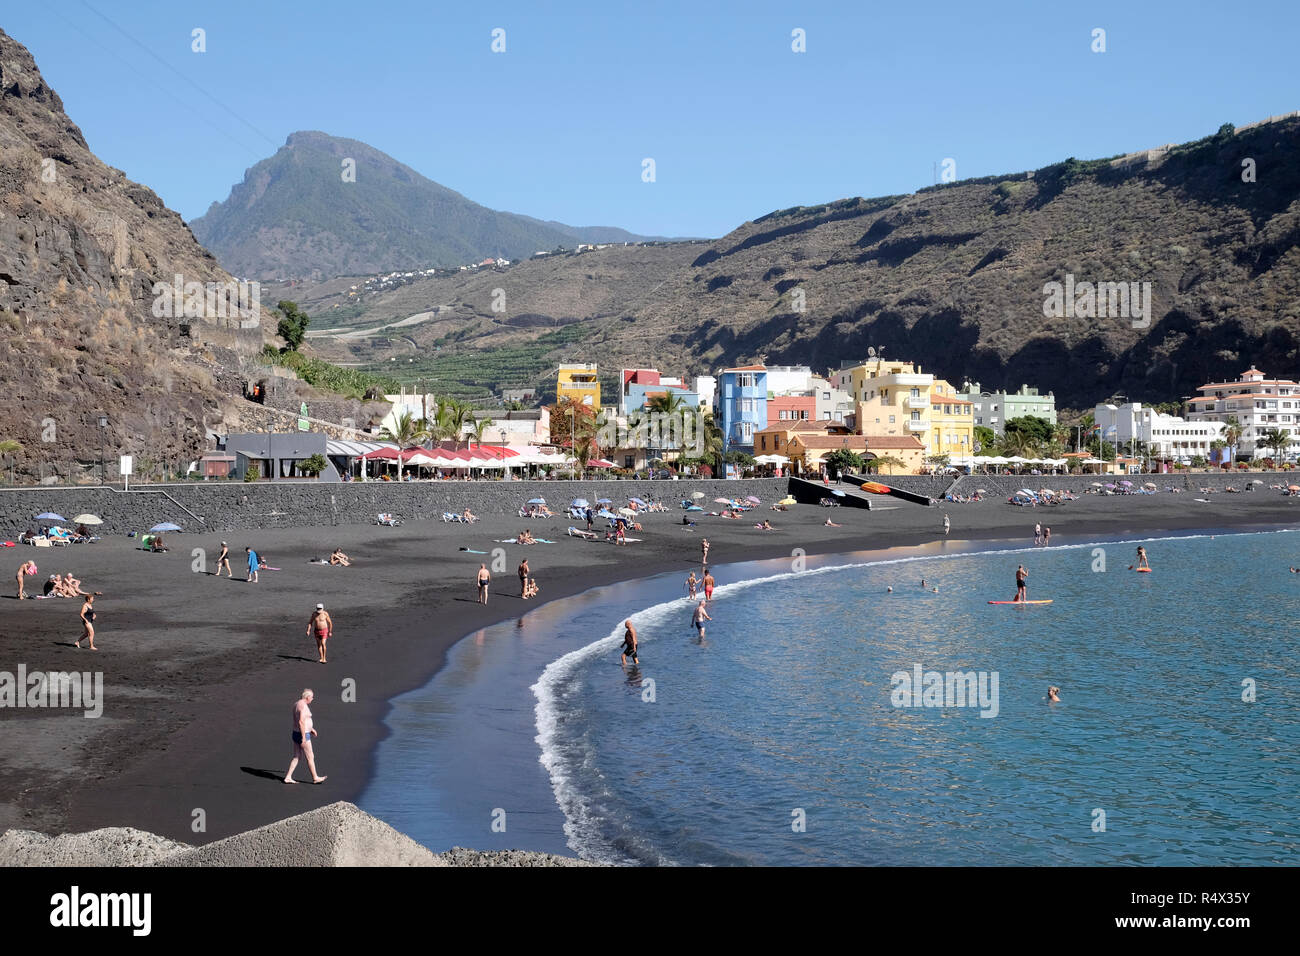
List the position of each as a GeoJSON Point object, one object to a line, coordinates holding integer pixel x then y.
{"type": "Point", "coordinates": [1258, 403]}
{"type": "Point", "coordinates": [833, 403]}
{"type": "Point", "coordinates": [706, 386]}
{"type": "Point", "coordinates": [789, 379]}
{"type": "Point", "coordinates": [1167, 437]}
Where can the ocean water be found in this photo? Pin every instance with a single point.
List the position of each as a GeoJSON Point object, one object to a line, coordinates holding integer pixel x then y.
{"type": "Point", "coordinates": [780, 738]}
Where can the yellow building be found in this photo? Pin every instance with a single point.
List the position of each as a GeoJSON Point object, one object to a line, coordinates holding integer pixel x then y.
{"type": "Point", "coordinates": [897, 399]}
{"type": "Point", "coordinates": [809, 451]}
{"type": "Point", "coordinates": [580, 383]}
{"type": "Point", "coordinates": [952, 425]}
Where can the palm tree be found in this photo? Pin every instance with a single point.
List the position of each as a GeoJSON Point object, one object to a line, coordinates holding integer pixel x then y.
{"type": "Point", "coordinates": [669, 408]}
{"type": "Point", "coordinates": [1018, 444]}
{"type": "Point", "coordinates": [1277, 439]}
{"type": "Point", "coordinates": [407, 430]}
{"type": "Point", "coordinates": [479, 427]}
{"type": "Point", "coordinates": [1217, 446]}
{"type": "Point", "coordinates": [1232, 435]}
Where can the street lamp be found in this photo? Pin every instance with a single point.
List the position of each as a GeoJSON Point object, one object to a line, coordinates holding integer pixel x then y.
{"type": "Point", "coordinates": [504, 471]}
{"type": "Point", "coordinates": [103, 430]}
{"type": "Point", "coordinates": [573, 432]}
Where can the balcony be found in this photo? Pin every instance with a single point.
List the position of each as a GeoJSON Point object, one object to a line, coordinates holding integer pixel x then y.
{"type": "Point", "coordinates": [914, 426]}
{"type": "Point", "coordinates": [916, 401]}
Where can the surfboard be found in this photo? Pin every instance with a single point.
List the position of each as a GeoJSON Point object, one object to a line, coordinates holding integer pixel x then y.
{"type": "Point", "coordinates": [1143, 570]}
{"type": "Point", "coordinates": [1020, 602]}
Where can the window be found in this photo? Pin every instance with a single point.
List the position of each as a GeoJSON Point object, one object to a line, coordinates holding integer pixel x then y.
{"type": "Point", "coordinates": [745, 380]}
{"type": "Point", "coordinates": [916, 416]}
{"type": "Point", "coordinates": [826, 416]}
{"type": "Point", "coordinates": [746, 405]}
{"type": "Point", "coordinates": [746, 431]}
{"type": "Point", "coordinates": [891, 420]}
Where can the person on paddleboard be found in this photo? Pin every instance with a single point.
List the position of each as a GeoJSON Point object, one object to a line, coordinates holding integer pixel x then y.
{"type": "Point", "coordinates": [1142, 558]}
{"type": "Point", "coordinates": [1021, 577]}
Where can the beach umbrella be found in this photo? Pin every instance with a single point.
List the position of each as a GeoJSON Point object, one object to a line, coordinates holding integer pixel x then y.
{"type": "Point", "coordinates": [605, 513]}
{"type": "Point", "coordinates": [1129, 483]}
{"type": "Point", "coordinates": [757, 501]}
{"type": "Point", "coordinates": [638, 501]}
{"type": "Point", "coordinates": [1293, 487]}
{"type": "Point", "coordinates": [1257, 481]}
{"type": "Point", "coordinates": [697, 495]}
{"type": "Point", "coordinates": [87, 519]}
{"type": "Point", "coordinates": [165, 526]}
{"type": "Point", "coordinates": [537, 501]}
{"type": "Point", "coordinates": [1149, 484]}
{"type": "Point", "coordinates": [1097, 484]}
{"type": "Point", "coordinates": [1109, 485]}
{"type": "Point", "coordinates": [579, 503]}
{"type": "Point", "coordinates": [837, 493]}
{"type": "Point", "coordinates": [50, 516]}
{"type": "Point", "coordinates": [627, 511]}
{"type": "Point", "coordinates": [604, 501]}
{"type": "Point", "coordinates": [980, 491]}
{"type": "Point", "coordinates": [722, 501]}
{"type": "Point", "coordinates": [787, 500]}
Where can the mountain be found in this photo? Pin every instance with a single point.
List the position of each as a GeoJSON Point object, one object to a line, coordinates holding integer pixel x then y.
{"type": "Point", "coordinates": [954, 277]}
{"type": "Point", "coordinates": [300, 213]}
{"type": "Point", "coordinates": [86, 260]}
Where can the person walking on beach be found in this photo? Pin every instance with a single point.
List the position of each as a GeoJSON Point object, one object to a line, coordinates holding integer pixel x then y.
{"type": "Point", "coordinates": [698, 619]}
{"type": "Point", "coordinates": [523, 579]}
{"type": "Point", "coordinates": [1022, 576]}
{"type": "Point", "coordinates": [1038, 535]}
{"type": "Point", "coordinates": [692, 585]}
{"type": "Point", "coordinates": [708, 585]}
{"type": "Point", "coordinates": [323, 626]}
{"type": "Point", "coordinates": [253, 563]}
{"type": "Point", "coordinates": [223, 561]}
{"type": "Point", "coordinates": [25, 570]}
{"type": "Point", "coordinates": [88, 623]}
{"type": "Point", "coordinates": [629, 643]}
{"type": "Point", "coordinates": [704, 550]}
{"type": "Point", "coordinates": [303, 731]}
{"type": "Point", "coordinates": [1047, 537]}
{"type": "Point", "coordinates": [484, 579]}
{"type": "Point", "coordinates": [946, 524]}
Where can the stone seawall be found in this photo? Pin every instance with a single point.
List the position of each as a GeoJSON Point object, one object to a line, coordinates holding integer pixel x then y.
{"type": "Point", "coordinates": [238, 506]}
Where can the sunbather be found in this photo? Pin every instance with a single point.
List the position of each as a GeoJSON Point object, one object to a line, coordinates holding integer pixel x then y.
{"type": "Point", "coordinates": [340, 559]}
{"type": "Point", "coordinates": [468, 517]}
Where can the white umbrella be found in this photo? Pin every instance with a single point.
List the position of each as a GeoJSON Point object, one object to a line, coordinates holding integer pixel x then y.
{"type": "Point", "coordinates": [87, 519]}
{"type": "Point", "coordinates": [697, 495]}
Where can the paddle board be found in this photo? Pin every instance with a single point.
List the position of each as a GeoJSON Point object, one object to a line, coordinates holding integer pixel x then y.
{"type": "Point", "coordinates": [1020, 602]}
{"type": "Point", "coordinates": [1143, 570]}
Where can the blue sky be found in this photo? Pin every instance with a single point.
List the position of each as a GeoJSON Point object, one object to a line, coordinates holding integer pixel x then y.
{"type": "Point", "coordinates": [737, 123]}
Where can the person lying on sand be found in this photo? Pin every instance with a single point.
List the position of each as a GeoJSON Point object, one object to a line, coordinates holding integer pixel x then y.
{"type": "Point", "coordinates": [831, 524]}
{"type": "Point", "coordinates": [340, 559]}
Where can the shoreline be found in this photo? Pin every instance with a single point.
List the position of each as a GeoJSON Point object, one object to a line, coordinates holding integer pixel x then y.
{"type": "Point", "coordinates": [61, 777]}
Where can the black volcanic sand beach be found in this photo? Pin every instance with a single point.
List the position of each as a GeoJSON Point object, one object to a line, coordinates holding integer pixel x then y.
{"type": "Point", "coordinates": [200, 673]}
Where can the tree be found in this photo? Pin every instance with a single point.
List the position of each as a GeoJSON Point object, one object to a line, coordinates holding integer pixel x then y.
{"type": "Point", "coordinates": [938, 461]}
{"type": "Point", "coordinates": [1232, 434]}
{"type": "Point", "coordinates": [1277, 439]}
{"type": "Point", "coordinates": [292, 326]}
{"type": "Point", "coordinates": [883, 461]}
{"type": "Point", "coordinates": [985, 438]}
{"type": "Point", "coordinates": [1217, 447]}
{"type": "Point", "coordinates": [1038, 431]}
{"type": "Point", "coordinates": [480, 426]}
{"type": "Point", "coordinates": [842, 460]}
{"type": "Point", "coordinates": [313, 466]}
{"type": "Point", "coordinates": [1019, 444]}
{"type": "Point", "coordinates": [407, 430]}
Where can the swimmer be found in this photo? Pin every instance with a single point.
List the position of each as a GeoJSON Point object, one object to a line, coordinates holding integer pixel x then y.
{"type": "Point", "coordinates": [1053, 695]}
{"type": "Point", "coordinates": [699, 617]}
{"type": "Point", "coordinates": [890, 589]}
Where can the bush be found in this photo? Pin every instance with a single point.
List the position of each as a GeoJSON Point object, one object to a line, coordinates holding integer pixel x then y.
{"type": "Point", "coordinates": [254, 471]}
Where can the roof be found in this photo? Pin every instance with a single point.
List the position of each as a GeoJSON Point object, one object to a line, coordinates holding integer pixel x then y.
{"type": "Point", "coordinates": [902, 442]}
{"type": "Point", "coordinates": [1239, 383]}
{"type": "Point", "coordinates": [949, 399]}
{"type": "Point", "coordinates": [354, 449]}
{"type": "Point", "coordinates": [747, 368]}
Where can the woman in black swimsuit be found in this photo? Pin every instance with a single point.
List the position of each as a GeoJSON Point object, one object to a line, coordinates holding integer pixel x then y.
{"type": "Point", "coordinates": [88, 622]}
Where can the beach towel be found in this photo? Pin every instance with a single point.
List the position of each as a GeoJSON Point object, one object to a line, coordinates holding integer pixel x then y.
{"type": "Point", "coordinates": [472, 551]}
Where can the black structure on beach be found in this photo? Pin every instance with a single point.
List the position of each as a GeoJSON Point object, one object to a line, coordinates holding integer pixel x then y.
{"type": "Point", "coordinates": [848, 492]}
{"type": "Point", "coordinates": [912, 496]}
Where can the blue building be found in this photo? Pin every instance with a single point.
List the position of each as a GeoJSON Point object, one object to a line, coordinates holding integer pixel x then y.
{"type": "Point", "coordinates": [742, 406]}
